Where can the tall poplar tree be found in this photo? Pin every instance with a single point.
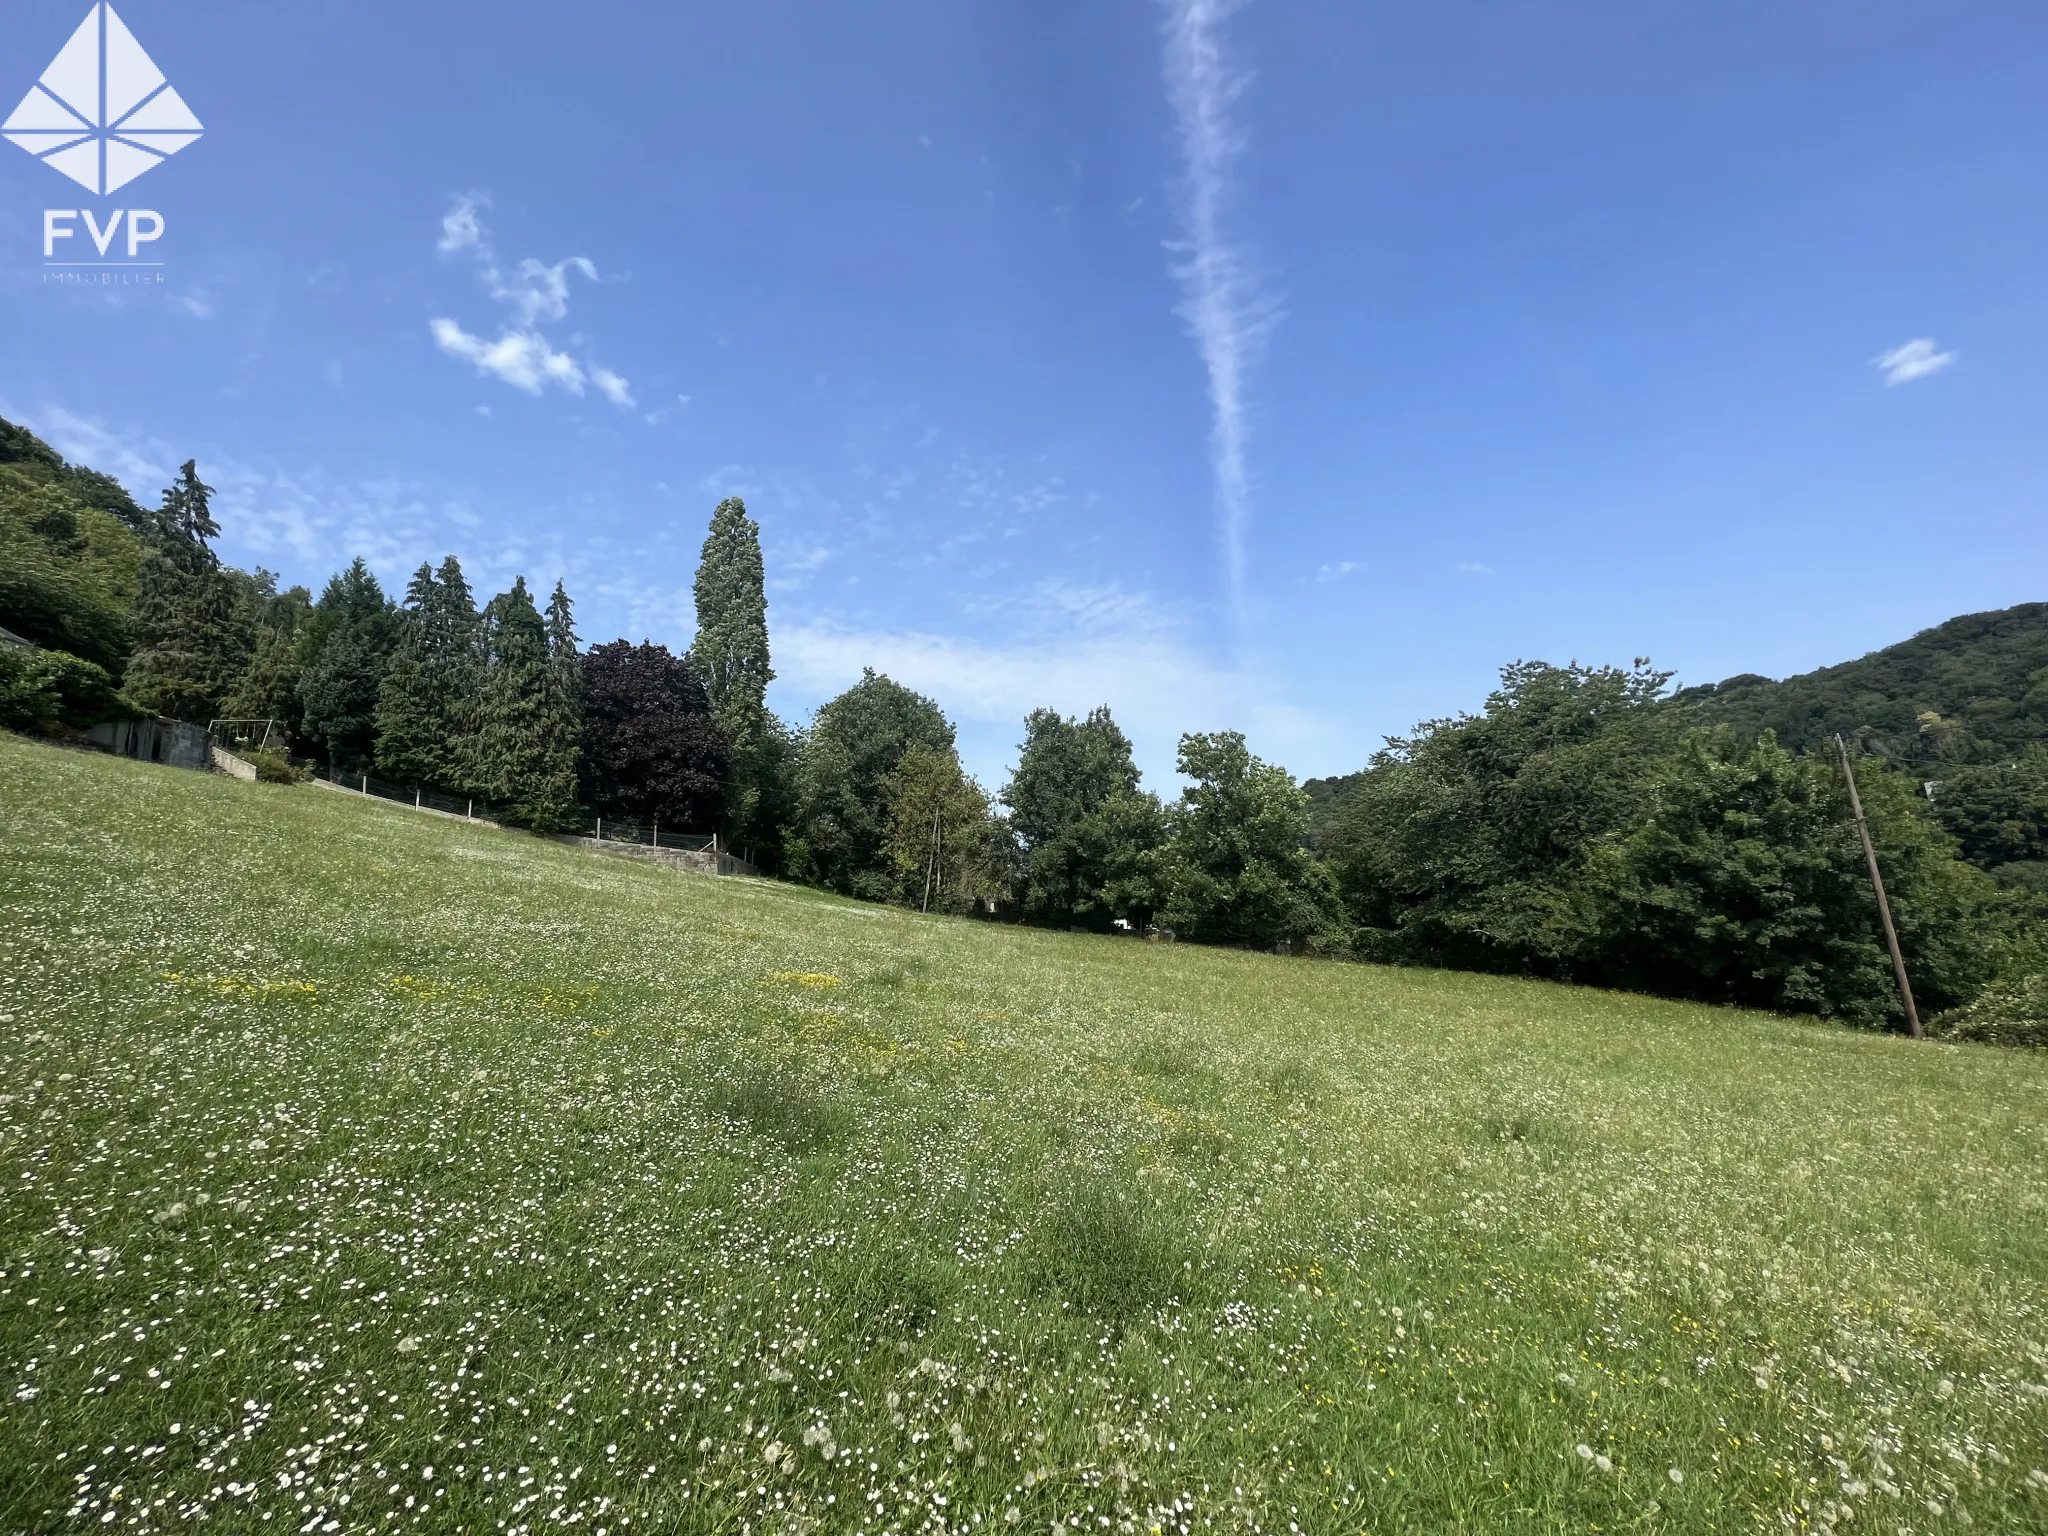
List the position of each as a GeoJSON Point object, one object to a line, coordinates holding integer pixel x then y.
{"type": "Point", "coordinates": [730, 656]}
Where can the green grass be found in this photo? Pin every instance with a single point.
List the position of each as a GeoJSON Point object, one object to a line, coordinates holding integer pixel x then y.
{"type": "Point", "coordinates": [367, 1171]}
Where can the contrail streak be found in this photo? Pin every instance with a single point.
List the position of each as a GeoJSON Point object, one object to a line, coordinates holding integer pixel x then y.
{"type": "Point", "coordinates": [1220, 301]}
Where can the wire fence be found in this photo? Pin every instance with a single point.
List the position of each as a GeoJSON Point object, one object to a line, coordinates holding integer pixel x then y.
{"type": "Point", "coordinates": [606, 829]}
{"type": "Point", "coordinates": [415, 795]}
{"type": "Point", "coordinates": [649, 834]}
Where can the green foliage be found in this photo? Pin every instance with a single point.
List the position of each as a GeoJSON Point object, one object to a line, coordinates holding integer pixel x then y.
{"type": "Point", "coordinates": [1997, 811]}
{"type": "Point", "coordinates": [2011, 1012]}
{"type": "Point", "coordinates": [27, 457]}
{"type": "Point", "coordinates": [40, 689]}
{"type": "Point", "coordinates": [552, 801]}
{"type": "Point", "coordinates": [1466, 844]}
{"type": "Point", "coordinates": [68, 572]}
{"type": "Point", "coordinates": [190, 613]}
{"type": "Point", "coordinates": [730, 657]}
{"type": "Point", "coordinates": [1581, 828]}
{"type": "Point", "coordinates": [1237, 867]}
{"type": "Point", "coordinates": [856, 742]}
{"type": "Point", "coordinates": [429, 704]}
{"type": "Point", "coordinates": [730, 652]}
{"type": "Point", "coordinates": [1974, 688]}
{"type": "Point", "coordinates": [273, 767]}
{"type": "Point", "coordinates": [268, 688]}
{"type": "Point", "coordinates": [345, 645]}
{"type": "Point", "coordinates": [1746, 884]}
{"type": "Point", "coordinates": [1089, 835]}
{"type": "Point", "coordinates": [944, 846]}
{"type": "Point", "coordinates": [530, 721]}
{"type": "Point", "coordinates": [1324, 797]}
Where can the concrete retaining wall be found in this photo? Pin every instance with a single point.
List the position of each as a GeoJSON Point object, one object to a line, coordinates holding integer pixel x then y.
{"type": "Point", "coordinates": [225, 761]}
{"type": "Point", "coordinates": [705, 863]}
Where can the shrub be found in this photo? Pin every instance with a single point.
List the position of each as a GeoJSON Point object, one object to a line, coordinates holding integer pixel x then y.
{"type": "Point", "coordinates": [273, 767]}
{"type": "Point", "coordinates": [40, 689]}
{"type": "Point", "coordinates": [2006, 1013]}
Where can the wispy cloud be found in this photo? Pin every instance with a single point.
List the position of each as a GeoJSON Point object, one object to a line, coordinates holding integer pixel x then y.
{"type": "Point", "coordinates": [1915, 360]}
{"type": "Point", "coordinates": [462, 227]}
{"type": "Point", "coordinates": [522, 359]}
{"type": "Point", "coordinates": [1226, 312]}
{"type": "Point", "coordinates": [141, 466]}
{"type": "Point", "coordinates": [1337, 570]}
{"type": "Point", "coordinates": [537, 293]}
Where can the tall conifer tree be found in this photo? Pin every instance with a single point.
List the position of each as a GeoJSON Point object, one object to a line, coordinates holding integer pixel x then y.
{"type": "Point", "coordinates": [456, 646]}
{"type": "Point", "coordinates": [521, 740]}
{"type": "Point", "coordinates": [348, 642]}
{"type": "Point", "coordinates": [553, 799]}
{"type": "Point", "coordinates": [411, 739]}
{"type": "Point", "coordinates": [193, 647]}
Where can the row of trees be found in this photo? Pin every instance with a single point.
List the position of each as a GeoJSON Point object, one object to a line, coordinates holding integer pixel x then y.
{"type": "Point", "coordinates": [1586, 824]}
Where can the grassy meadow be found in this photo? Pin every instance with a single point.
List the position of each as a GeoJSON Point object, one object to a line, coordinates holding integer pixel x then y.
{"type": "Point", "coordinates": [365, 1171]}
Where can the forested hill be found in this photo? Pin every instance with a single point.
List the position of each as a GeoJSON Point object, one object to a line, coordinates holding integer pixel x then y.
{"type": "Point", "coordinates": [39, 464]}
{"type": "Point", "coordinates": [1950, 693]}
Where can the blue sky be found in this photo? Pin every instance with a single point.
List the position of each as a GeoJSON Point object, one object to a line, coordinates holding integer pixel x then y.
{"type": "Point", "coordinates": [1287, 367]}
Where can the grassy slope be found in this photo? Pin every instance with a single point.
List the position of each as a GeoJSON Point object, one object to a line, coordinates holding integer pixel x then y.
{"type": "Point", "coordinates": [429, 1176]}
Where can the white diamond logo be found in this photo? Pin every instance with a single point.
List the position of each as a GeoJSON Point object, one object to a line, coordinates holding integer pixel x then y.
{"type": "Point", "coordinates": [102, 112]}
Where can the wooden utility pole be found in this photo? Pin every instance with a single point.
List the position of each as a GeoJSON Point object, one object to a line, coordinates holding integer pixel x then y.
{"type": "Point", "coordinates": [1884, 907]}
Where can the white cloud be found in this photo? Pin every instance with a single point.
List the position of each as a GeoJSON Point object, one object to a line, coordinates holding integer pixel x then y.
{"type": "Point", "coordinates": [1226, 312]}
{"type": "Point", "coordinates": [522, 359]}
{"type": "Point", "coordinates": [461, 229]}
{"type": "Point", "coordinates": [1338, 570]}
{"type": "Point", "coordinates": [1475, 568]}
{"type": "Point", "coordinates": [1915, 360]}
{"type": "Point", "coordinates": [537, 292]}
{"type": "Point", "coordinates": [611, 386]}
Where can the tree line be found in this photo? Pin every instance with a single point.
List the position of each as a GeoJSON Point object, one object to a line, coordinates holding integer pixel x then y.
{"type": "Point", "coordinates": [1587, 824]}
